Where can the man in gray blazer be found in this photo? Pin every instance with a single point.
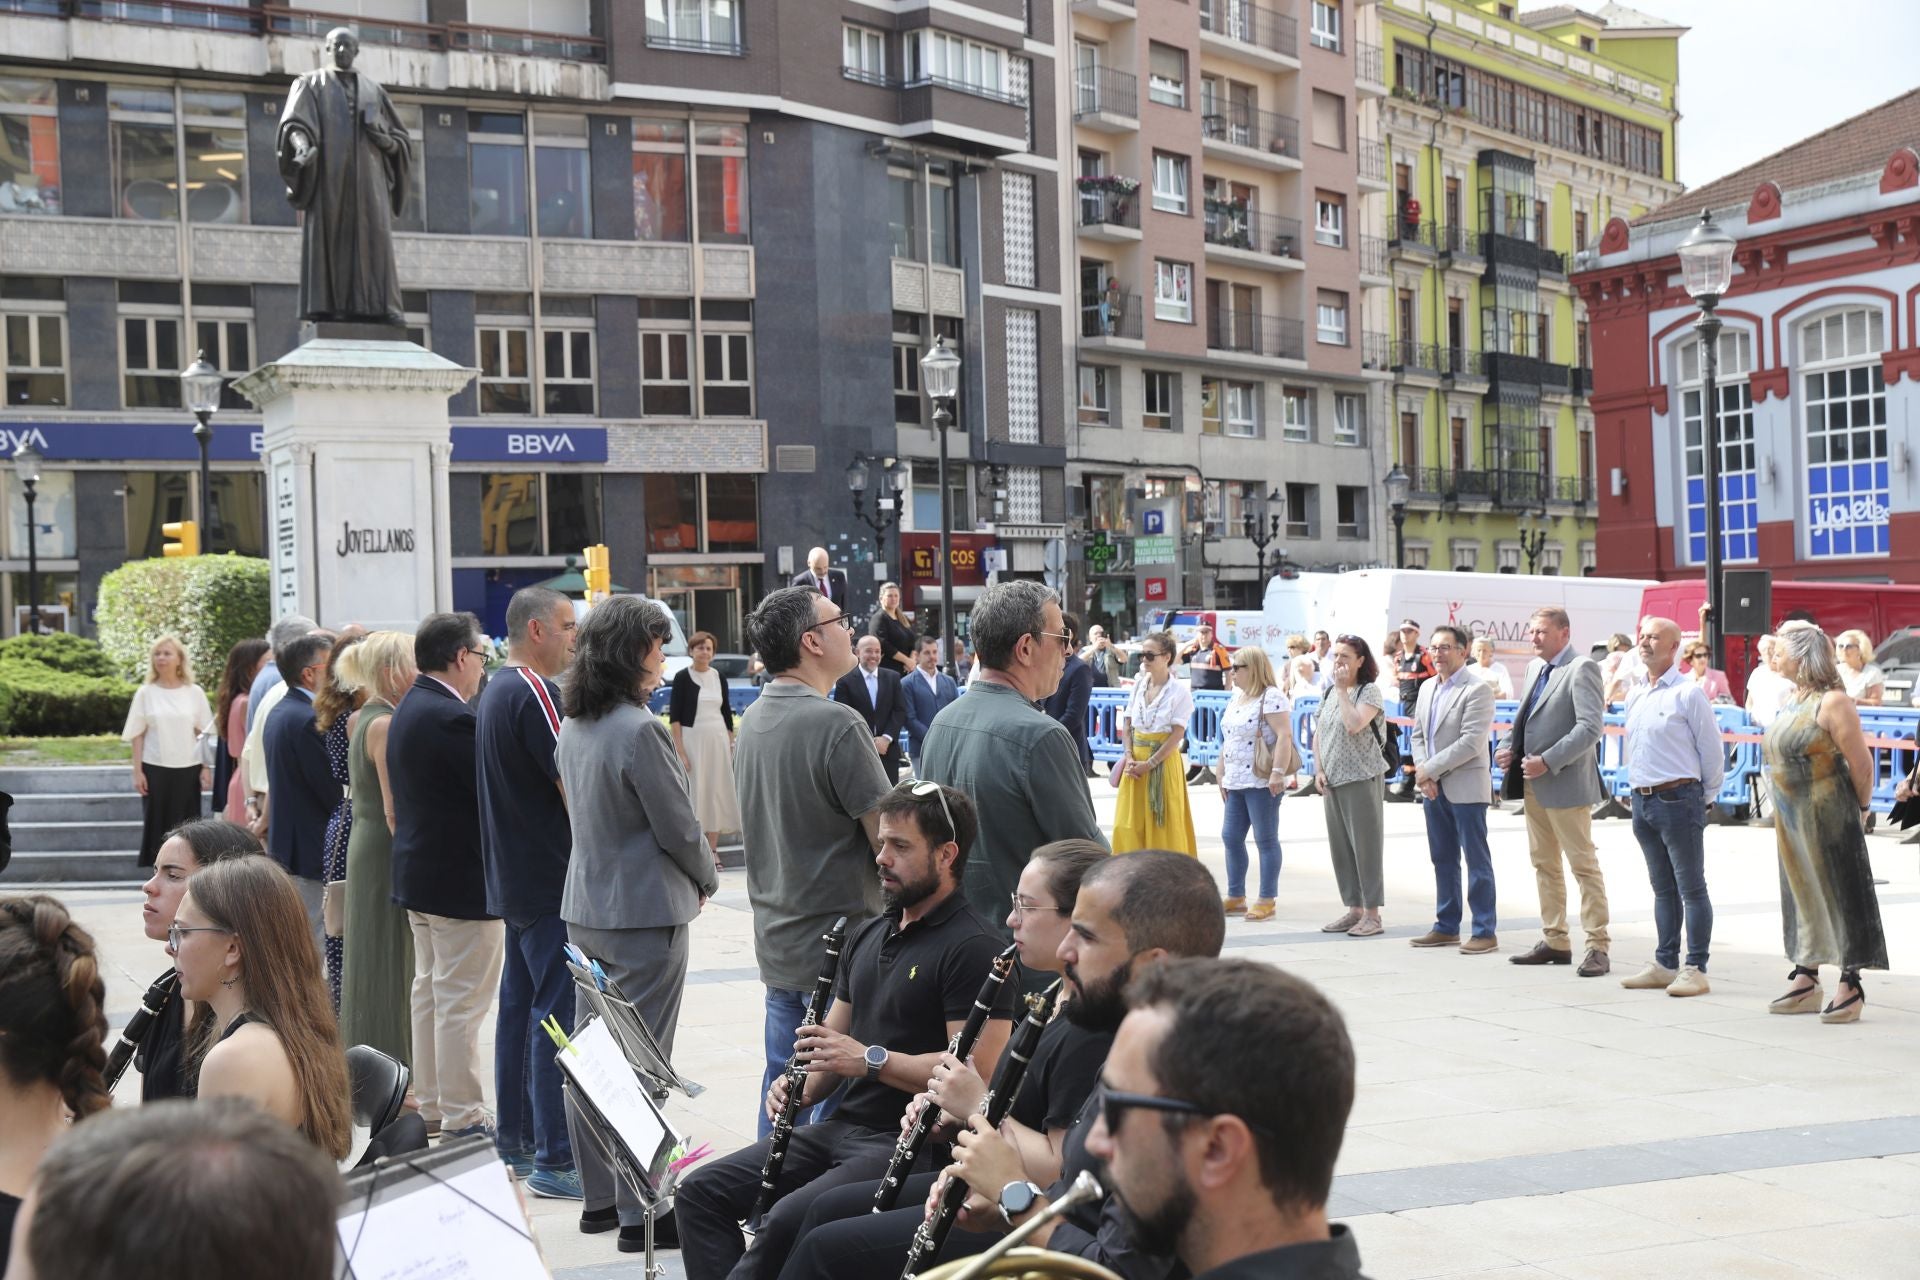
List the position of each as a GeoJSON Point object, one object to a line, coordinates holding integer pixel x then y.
{"type": "Point", "coordinates": [1452, 723]}
{"type": "Point", "coordinates": [1549, 759]}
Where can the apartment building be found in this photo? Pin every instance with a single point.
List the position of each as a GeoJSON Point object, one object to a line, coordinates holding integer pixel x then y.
{"type": "Point", "coordinates": [1514, 136]}
{"type": "Point", "coordinates": [1214, 167]}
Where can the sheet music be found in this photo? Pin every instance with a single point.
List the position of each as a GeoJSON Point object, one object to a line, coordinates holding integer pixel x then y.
{"type": "Point", "coordinates": [438, 1232]}
{"type": "Point", "coordinates": [600, 1069]}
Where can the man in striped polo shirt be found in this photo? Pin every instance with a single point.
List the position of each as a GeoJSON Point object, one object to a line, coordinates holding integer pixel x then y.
{"type": "Point", "coordinates": [525, 842]}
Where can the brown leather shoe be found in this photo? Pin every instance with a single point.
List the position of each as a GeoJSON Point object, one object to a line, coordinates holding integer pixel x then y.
{"type": "Point", "coordinates": [1434, 938]}
{"type": "Point", "coordinates": [1594, 965]}
{"type": "Point", "coordinates": [1479, 946]}
{"type": "Point", "coordinates": [1542, 954]}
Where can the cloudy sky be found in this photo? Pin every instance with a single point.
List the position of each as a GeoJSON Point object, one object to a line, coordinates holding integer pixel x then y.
{"type": "Point", "coordinates": [1759, 75]}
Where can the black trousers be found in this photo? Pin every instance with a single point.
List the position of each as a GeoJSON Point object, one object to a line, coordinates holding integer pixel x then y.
{"type": "Point", "coordinates": [715, 1198]}
{"type": "Point", "coordinates": [842, 1239]}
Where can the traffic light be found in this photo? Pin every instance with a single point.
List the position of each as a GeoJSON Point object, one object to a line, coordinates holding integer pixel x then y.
{"type": "Point", "coordinates": [186, 539]}
{"type": "Point", "coordinates": [599, 575]}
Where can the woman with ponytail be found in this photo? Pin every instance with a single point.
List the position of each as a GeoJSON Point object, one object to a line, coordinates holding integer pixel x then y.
{"type": "Point", "coordinates": [53, 1031]}
{"type": "Point", "coordinates": [263, 1025]}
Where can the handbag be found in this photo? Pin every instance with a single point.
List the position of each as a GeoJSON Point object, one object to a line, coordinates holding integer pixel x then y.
{"type": "Point", "coordinates": [207, 746]}
{"type": "Point", "coordinates": [1279, 757]}
{"type": "Point", "coordinates": [333, 908]}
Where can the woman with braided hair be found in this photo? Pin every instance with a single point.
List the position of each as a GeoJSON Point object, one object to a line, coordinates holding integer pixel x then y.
{"type": "Point", "coordinates": [53, 1031]}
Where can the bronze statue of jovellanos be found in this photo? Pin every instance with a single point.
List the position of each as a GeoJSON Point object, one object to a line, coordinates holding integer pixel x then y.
{"type": "Point", "coordinates": [346, 158]}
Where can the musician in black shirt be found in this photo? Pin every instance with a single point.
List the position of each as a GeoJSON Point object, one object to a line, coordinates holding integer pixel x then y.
{"type": "Point", "coordinates": [906, 982]}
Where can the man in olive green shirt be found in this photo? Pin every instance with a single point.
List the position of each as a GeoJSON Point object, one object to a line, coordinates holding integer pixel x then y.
{"type": "Point", "coordinates": [1017, 764]}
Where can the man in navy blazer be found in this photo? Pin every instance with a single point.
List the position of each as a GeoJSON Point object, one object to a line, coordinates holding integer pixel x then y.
{"type": "Point", "coordinates": [1069, 702]}
{"type": "Point", "coordinates": [874, 691]}
{"type": "Point", "coordinates": [925, 691]}
{"type": "Point", "coordinates": [301, 791]}
{"type": "Point", "coordinates": [438, 874]}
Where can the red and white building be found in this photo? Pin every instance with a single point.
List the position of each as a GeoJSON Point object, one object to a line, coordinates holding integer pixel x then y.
{"type": "Point", "coordinates": [1819, 368]}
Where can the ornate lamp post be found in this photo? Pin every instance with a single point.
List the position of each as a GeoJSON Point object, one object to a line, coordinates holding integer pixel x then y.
{"type": "Point", "coordinates": [1706, 267]}
{"type": "Point", "coordinates": [200, 386]}
{"type": "Point", "coordinates": [1397, 483]}
{"type": "Point", "coordinates": [1263, 527]}
{"type": "Point", "coordinates": [26, 465]}
{"type": "Point", "coordinates": [1533, 537]}
{"type": "Point", "coordinates": [940, 375]}
{"type": "Point", "coordinates": [888, 507]}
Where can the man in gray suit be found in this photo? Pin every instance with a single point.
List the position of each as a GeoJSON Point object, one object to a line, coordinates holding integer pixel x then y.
{"type": "Point", "coordinates": [1549, 759]}
{"type": "Point", "coordinates": [1452, 722]}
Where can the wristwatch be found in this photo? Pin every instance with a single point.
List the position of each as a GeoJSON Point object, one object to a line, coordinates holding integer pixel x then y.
{"type": "Point", "coordinates": [876, 1059]}
{"type": "Point", "coordinates": [1016, 1198]}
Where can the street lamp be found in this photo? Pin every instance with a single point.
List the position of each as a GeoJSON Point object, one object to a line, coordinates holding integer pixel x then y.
{"type": "Point", "coordinates": [1397, 483]}
{"type": "Point", "coordinates": [201, 385]}
{"type": "Point", "coordinates": [887, 508]}
{"type": "Point", "coordinates": [1532, 539]}
{"type": "Point", "coordinates": [26, 465]}
{"type": "Point", "coordinates": [1263, 526]}
{"type": "Point", "coordinates": [940, 375]}
{"type": "Point", "coordinates": [1706, 268]}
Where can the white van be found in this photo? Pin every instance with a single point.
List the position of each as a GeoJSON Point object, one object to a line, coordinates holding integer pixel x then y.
{"type": "Point", "coordinates": [1296, 605]}
{"type": "Point", "coordinates": [1371, 602]}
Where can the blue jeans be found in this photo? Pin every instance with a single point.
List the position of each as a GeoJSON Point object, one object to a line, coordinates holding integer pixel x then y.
{"type": "Point", "coordinates": [1671, 827]}
{"type": "Point", "coordinates": [786, 1010]}
{"type": "Point", "coordinates": [1454, 830]}
{"type": "Point", "coordinates": [1258, 808]}
{"type": "Point", "coordinates": [534, 984]}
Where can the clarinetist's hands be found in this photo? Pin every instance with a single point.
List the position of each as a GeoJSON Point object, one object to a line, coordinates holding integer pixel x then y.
{"type": "Point", "coordinates": [776, 1101]}
{"type": "Point", "coordinates": [957, 1087]}
{"type": "Point", "coordinates": [985, 1160]}
{"type": "Point", "coordinates": [826, 1052]}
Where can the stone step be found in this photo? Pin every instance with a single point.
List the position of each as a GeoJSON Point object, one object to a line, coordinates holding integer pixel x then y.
{"type": "Point", "coordinates": [83, 806]}
{"type": "Point", "coordinates": [75, 837]}
{"type": "Point", "coordinates": [109, 866]}
{"type": "Point", "coordinates": [66, 779]}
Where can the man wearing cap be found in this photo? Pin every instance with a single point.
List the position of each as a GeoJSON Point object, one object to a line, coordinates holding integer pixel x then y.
{"type": "Point", "coordinates": [1415, 668]}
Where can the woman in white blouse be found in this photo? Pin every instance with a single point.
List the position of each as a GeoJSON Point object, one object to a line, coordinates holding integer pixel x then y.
{"type": "Point", "coordinates": [1260, 710]}
{"type": "Point", "coordinates": [1151, 811]}
{"type": "Point", "coordinates": [163, 726]}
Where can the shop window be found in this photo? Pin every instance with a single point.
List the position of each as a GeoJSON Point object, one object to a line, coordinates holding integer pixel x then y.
{"type": "Point", "coordinates": [29, 146]}
{"type": "Point", "coordinates": [153, 499]}
{"type": "Point", "coordinates": [497, 172]}
{"type": "Point", "coordinates": [733, 513]}
{"type": "Point", "coordinates": [572, 511]}
{"type": "Point", "coordinates": [510, 514]}
{"type": "Point", "coordinates": [673, 513]}
{"type": "Point", "coordinates": [720, 180]}
{"type": "Point", "coordinates": [562, 176]}
{"type": "Point", "coordinates": [660, 180]}
{"type": "Point", "coordinates": [236, 514]}
{"type": "Point", "coordinates": [32, 310]}
{"type": "Point", "coordinates": [143, 153]}
{"type": "Point", "coordinates": [53, 516]}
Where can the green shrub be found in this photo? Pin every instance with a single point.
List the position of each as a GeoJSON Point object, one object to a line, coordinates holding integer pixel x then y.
{"type": "Point", "coordinates": [62, 652]}
{"type": "Point", "coordinates": [38, 700]}
{"type": "Point", "coordinates": [210, 602]}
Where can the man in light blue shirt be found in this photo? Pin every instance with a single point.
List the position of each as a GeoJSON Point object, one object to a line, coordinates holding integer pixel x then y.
{"type": "Point", "coordinates": [1675, 763]}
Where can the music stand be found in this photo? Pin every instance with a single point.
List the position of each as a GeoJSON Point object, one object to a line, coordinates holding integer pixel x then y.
{"type": "Point", "coordinates": [466, 1216]}
{"type": "Point", "coordinates": [630, 1031]}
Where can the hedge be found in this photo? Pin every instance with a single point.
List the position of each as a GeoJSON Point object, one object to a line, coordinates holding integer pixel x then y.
{"type": "Point", "coordinates": [61, 651]}
{"type": "Point", "coordinates": [40, 700]}
{"type": "Point", "coordinates": [209, 602]}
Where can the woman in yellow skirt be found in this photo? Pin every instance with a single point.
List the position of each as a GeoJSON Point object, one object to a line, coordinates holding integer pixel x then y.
{"type": "Point", "coordinates": [1151, 811]}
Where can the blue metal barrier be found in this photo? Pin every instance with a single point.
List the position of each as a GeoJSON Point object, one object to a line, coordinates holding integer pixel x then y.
{"type": "Point", "coordinates": [1890, 764]}
{"type": "Point", "coordinates": [1203, 730]}
{"type": "Point", "coordinates": [1104, 708]}
{"type": "Point", "coordinates": [739, 696]}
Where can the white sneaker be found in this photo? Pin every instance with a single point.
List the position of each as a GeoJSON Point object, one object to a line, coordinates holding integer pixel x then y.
{"type": "Point", "coordinates": [1655, 977]}
{"type": "Point", "coordinates": [1691, 982]}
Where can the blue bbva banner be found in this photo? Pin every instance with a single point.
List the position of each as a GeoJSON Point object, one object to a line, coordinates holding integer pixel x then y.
{"type": "Point", "coordinates": [242, 442]}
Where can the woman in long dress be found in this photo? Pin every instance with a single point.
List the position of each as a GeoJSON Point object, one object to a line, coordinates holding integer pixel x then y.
{"type": "Point", "coordinates": [1151, 811]}
{"type": "Point", "coordinates": [333, 708]}
{"type": "Point", "coordinates": [1822, 778]}
{"type": "Point", "coordinates": [376, 977]}
{"type": "Point", "coordinates": [702, 721]}
{"type": "Point", "coordinates": [163, 727]}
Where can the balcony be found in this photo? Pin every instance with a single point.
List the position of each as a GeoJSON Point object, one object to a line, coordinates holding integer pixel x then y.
{"type": "Point", "coordinates": [966, 115]}
{"type": "Point", "coordinates": [1369, 70]}
{"type": "Point", "coordinates": [1463, 366]}
{"type": "Point", "coordinates": [1453, 485]}
{"type": "Point", "coordinates": [1457, 244]}
{"type": "Point", "coordinates": [1264, 138]}
{"type": "Point", "coordinates": [1268, 337]}
{"type": "Point", "coordinates": [1511, 367]}
{"type": "Point", "coordinates": [1110, 319]}
{"type": "Point", "coordinates": [1520, 490]}
{"type": "Point", "coordinates": [1105, 10]}
{"type": "Point", "coordinates": [1250, 33]}
{"type": "Point", "coordinates": [524, 44]}
{"type": "Point", "coordinates": [1106, 99]}
{"type": "Point", "coordinates": [1237, 234]}
{"type": "Point", "coordinates": [153, 13]}
{"type": "Point", "coordinates": [1411, 240]}
{"type": "Point", "coordinates": [1582, 381]}
{"type": "Point", "coordinates": [1110, 208]}
{"type": "Point", "coordinates": [279, 20]}
{"type": "Point", "coordinates": [1499, 248]}
{"type": "Point", "coordinates": [1373, 262]}
{"type": "Point", "coordinates": [1570, 491]}
{"type": "Point", "coordinates": [1408, 358]}
{"type": "Point", "coordinates": [1371, 169]}
{"type": "Point", "coordinates": [1376, 351]}
{"type": "Point", "coordinates": [1555, 379]}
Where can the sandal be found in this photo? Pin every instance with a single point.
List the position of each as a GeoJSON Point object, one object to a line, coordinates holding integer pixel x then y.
{"type": "Point", "coordinates": [1369, 927]}
{"type": "Point", "coordinates": [1802, 1001]}
{"type": "Point", "coordinates": [1262, 909]}
{"type": "Point", "coordinates": [1847, 1010]}
{"type": "Point", "coordinates": [1344, 923]}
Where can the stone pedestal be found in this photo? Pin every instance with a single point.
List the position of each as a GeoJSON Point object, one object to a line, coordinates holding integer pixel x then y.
{"type": "Point", "coordinates": [356, 446]}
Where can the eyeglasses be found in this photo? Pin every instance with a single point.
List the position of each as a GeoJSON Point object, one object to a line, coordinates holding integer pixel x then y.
{"type": "Point", "coordinates": [1150, 655]}
{"type": "Point", "coordinates": [1064, 637]}
{"type": "Point", "coordinates": [921, 790]}
{"type": "Point", "coordinates": [842, 620]}
{"type": "Point", "coordinates": [1848, 644]}
{"type": "Point", "coordinates": [176, 931]}
{"type": "Point", "coordinates": [1021, 906]}
{"type": "Point", "coordinates": [1114, 1106]}
{"type": "Point", "coordinates": [478, 653]}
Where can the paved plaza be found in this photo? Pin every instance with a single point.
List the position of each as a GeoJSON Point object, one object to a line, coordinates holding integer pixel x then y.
{"type": "Point", "coordinates": [1510, 1122]}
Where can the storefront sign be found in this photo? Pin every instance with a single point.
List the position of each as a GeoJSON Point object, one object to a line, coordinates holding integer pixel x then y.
{"type": "Point", "coordinates": [242, 442]}
{"type": "Point", "coordinates": [920, 553]}
{"type": "Point", "coordinates": [1154, 550]}
{"type": "Point", "coordinates": [1101, 552]}
{"type": "Point", "coordinates": [1154, 588]}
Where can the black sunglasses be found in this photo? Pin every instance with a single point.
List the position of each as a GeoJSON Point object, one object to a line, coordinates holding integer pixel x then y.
{"type": "Point", "coordinates": [1114, 1106]}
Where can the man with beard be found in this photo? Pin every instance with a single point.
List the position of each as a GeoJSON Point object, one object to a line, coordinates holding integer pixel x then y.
{"type": "Point", "coordinates": [1132, 912]}
{"type": "Point", "coordinates": [906, 982]}
{"type": "Point", "coordinates": [1246, 1075]}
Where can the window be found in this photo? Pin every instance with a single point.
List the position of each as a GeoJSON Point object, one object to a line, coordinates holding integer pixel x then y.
{"type": "Point", "coordinates": [726, 375]}
{"type": "Point", "coordinates": [1466, 556]}
{"type": "Point", "coordinates": [1326, 25]}
{"type": "Point", "coordinates": [666, 358]}
{"type": "Point", "coordinates": [1243, 409]}
{"type": "Point", "coordinates": [503, 332]}
{"type": "Point", "coordinates": [1297, 425]}
{"type": "Point", "coordinates": [720, 181]}
{"type": "Point", "coordinates": [33, 308]}
{"type": "Point", "coordinates": [1303, 510]}
{"type": "Point", "coordinates": [1169, 182]}
{"type": "Point", "coordinates": [863, 54]}
{"type": "Point", "coordinates": [1330, 219]}
{"type": "Point", "coordinates": [1350, 511]}
{"type": "Point", "coordinates": [215, 157]}
{"type": "Point", "coordinates": [903, 213]}
{"type": "Point", "coordinates": [1329, 120]}
{"type": "Point", "coordinates": [660, 180]}
{"type": "Point", "coordinates": [697, 26]}
{"type": "Point", "coordinates": [525, 513]}
{"type": "Point", "coordinates": [1106, 503]}
{"type": "Point", "coordinates": [566, 355]}
{"type": "Point", "coordinates": [1163, 390]}
{"type": "Point", "coordinates": [943, 217]}
{"type": "Point", "coordinates": [957, 63]}
{"type": "Point", "coordinates": [150, 344]}
{"type": "Point", "coordinates": [497, 172]}
{"type": "Point", "coordinates": [1095, 404]}
{"type": "Point", "coordinates": [1172, 290]}
{"type": "Point", "coordinates": [1166, 74]}
{"type": "Point", "coordinates": [1506, 558]}
{"type": "Point", "coordinates": [562, 176]}
{"type": "Point", "coordinates": [227, 343]}
{"type": "Point", "coordinates": [1589, 559]}
{"type": "Point", "coordinates": [1211, 394]}
{"type": "Point", "coordinates": [689, 514]}
{"type": "Point", "coordinates": [1331, 316]}
{"type": "Point", "coordinates": [1586, 44]}
{"type": "Point", "coordinates": [1349, 418]}
{"type": "Point", "coordinates": [414, 216]}
{"type": "Point", "coordinates": [1845, 400]}
{"type": "Point", "coordinates": [1579, 230]}
{"type": "Point", "coordinates": [30, 143]}
{"type": "Point", "coordinates": [143, 154]}
{"type": "Point", "coordinates": [1417, 553]}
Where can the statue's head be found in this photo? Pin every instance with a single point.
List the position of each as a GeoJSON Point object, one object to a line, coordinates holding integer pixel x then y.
{"type": "Point", "coordinates": [342, 46]}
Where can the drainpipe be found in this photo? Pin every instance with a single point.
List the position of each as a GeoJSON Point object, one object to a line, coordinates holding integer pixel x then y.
{"type": "Point", "coordinates": [1433, 203]}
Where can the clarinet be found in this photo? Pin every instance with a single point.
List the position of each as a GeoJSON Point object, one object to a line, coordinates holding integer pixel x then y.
{"type": "Point", "coordinates": [797, 1074]}
{"type": "Point", "coordinates": [139, 1025]}
{"type": "Point", "coordinates": [932, 1234]}
{"type": "Point", "coordinates": [907, 1150]}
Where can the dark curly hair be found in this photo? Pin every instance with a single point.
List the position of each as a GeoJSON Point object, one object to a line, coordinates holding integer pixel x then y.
{"type": "Point", "coordinates": [1369, 669]}
{"type": "Point", "coordinates": [608, 649]}
{"type": "Point", "coordinates": [53, 1020]}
